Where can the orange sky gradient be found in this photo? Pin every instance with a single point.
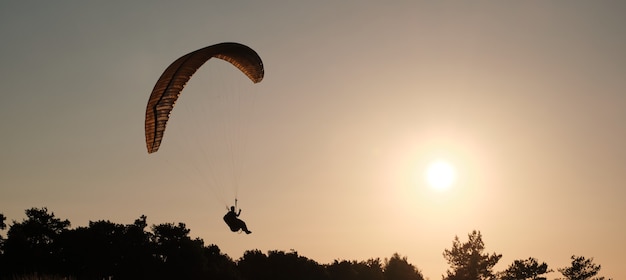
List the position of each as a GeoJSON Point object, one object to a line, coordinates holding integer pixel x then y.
{"type": "Point", "coordinates": [527, 100]}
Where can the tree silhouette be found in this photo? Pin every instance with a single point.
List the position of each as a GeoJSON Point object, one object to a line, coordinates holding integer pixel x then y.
{"type": "Point", "coordinates": [180, 256]}
{"type": "Point", "coordinates": [468, 261]}
{"type": "Point", "coordinates": [253, 265]}
{"type": "Point", "coordinates": [220, 266]}
{"type": "Point", "coordinates": [30, 244]}
{"type": "Point", "coordinates": [581, 269]}
{"type": "Point", "coordinates": [525, 269]}
{"type": "Point", "coordinates": [398, 268]}
{"type": "Point", "coordinates": [351, 270]}
{"type": "Point", "coordinates": [44, 247]}
{"type": "Point", "coordinates": [279, 265]}
{"type": "Point", "coordinates": [342, 270]}
{"type": "Point", "coordinates": [135, 245]}
{"type": "Point", "coordinates": [94, 251]}
{"type": "Point", "coordinates": [371, 269]}
{"type": "Point", "coordinates": [106, 249]}
{"type": "Point", "coordinates": [2, 224]}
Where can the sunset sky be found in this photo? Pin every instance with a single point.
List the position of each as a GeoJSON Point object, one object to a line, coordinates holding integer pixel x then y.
{"type": "Point", "coordinates": [525, 99]}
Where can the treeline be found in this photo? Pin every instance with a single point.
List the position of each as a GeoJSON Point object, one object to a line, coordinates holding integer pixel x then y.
{"type": "Point", "coordinates": [43, 246]}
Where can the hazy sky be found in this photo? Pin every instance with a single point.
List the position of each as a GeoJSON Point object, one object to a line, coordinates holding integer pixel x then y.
{"type": "Point", "coordinates": [527, 99]}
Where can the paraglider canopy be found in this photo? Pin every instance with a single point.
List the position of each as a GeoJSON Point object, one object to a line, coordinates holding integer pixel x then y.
{"type": "Point", "coordinates": [169, 86]}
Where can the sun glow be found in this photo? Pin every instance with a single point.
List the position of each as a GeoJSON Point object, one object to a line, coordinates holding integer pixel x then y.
{"type": "Point", "coordinates": [440, 174]}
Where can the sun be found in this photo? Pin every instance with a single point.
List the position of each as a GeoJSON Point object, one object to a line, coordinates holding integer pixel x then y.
{"type": "Point", "coordinates": [440, 174]}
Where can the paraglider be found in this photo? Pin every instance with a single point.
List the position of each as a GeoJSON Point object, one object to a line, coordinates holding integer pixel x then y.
{"type": "Point", "coordinates": [169, 87]}
{"type": "Point", "coordinates": [234, 223]}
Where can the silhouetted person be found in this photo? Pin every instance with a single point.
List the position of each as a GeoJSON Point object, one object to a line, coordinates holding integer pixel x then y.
{"type": "Point", "coordinates": [235, 223]}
